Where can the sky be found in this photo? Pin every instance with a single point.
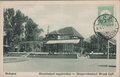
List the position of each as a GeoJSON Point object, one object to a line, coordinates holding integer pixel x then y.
{"type": "Point", "coordinates": [57, 16]}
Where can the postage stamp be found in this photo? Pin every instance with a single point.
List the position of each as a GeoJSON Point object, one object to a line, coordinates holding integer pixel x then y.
{"type": "Point", "coordinates": [59, 38]}
{"type": "Point", "coordinates": [106, 9]}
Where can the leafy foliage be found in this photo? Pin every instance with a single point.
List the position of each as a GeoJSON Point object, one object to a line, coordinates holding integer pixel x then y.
{"type": "Point", "coordinates": [19, 27]}
{"type": "Point", "coordinates": [99, 45]}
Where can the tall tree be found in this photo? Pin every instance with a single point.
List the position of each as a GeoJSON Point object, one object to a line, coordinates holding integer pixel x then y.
{"type": "Point", "coordinates": [16, 24]}
{"type": "Point", "coordinates": [98, 44]}
{"type": "Point", "coordinates": [32, 30]}
{"type": "Point", "coordinates": [8, 18]}
{"type": "Point", "coordinates": [12, 26]}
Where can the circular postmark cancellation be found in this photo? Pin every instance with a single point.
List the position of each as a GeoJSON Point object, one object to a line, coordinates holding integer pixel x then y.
{"type": "Point", "coordinates": [106, 26]}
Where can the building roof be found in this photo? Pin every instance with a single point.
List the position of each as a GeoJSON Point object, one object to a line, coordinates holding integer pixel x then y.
{"type": "Point", "coordinates": [54, 32]}
{"type": "Point", "coordinates": [67, 31]}
{"type": "Point", "coordinates": [113, 41]}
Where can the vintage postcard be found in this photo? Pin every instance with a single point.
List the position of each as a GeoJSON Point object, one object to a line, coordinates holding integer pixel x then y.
{"type": "Point", "coordinates": [60, 38]}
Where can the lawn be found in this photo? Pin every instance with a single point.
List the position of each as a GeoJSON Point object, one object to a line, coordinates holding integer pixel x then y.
{"type": "Point", "coordinates": [60, 65]}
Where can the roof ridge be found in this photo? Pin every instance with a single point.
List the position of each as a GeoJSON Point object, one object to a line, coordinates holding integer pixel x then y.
{"type": "Point", "coordinates": [68, 31]}
{"type": "Point", "coordinates": [73, 30]}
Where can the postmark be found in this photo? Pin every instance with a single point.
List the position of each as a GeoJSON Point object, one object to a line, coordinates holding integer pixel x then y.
{"type": "Point", "coordinates": [106, 26]}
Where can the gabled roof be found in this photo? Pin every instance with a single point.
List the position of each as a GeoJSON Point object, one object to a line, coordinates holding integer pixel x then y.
{"type": "Point", "coordinates": [53, 32]}
{"type": "Point", "coordinates": [67, 31]}
{"type": "Point", "coordinates": [113, 41]}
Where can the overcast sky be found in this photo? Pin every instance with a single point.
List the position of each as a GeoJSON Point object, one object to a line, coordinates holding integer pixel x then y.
{"type": "Point", "coordinates": [57, 16]}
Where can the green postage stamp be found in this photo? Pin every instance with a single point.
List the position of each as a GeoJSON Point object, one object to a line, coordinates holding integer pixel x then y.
{"type": "Point", "coordinates": [106, 10]}
{"type": "Point", "coordinates": [60, 38]}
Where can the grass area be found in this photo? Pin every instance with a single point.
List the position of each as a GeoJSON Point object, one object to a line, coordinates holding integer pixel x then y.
{"type": "Point", "coordinates": [14, 59]}
{"type": "Point", "coordinates": [61, 65]}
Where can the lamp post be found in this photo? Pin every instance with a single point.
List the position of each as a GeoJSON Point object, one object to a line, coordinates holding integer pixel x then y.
{"type": "Point", "coordinates": [108, 56]}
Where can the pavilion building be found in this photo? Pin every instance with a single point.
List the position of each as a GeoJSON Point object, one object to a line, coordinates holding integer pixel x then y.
{"type": "Point", "coordinates": [65, 40]}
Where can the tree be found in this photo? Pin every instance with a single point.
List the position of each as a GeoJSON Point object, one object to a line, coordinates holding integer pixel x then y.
{"type": "Point", "coordinates": [87, 47]}
{"type": "Point", "coordinates": [32, 30]}
{"type": "Point", "coordinates": [98, 44]}
{"type": "Point", "coordinates": [16, 24]}
{"type": "Point", "coordinates": [8, 19]}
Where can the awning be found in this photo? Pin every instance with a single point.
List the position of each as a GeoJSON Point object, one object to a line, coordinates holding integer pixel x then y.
{"type": "Point", "coordinates": [73, 41]}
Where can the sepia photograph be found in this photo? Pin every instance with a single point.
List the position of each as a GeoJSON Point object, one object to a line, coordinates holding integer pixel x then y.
{"type": "Point", "coordinates": [59, 37]}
